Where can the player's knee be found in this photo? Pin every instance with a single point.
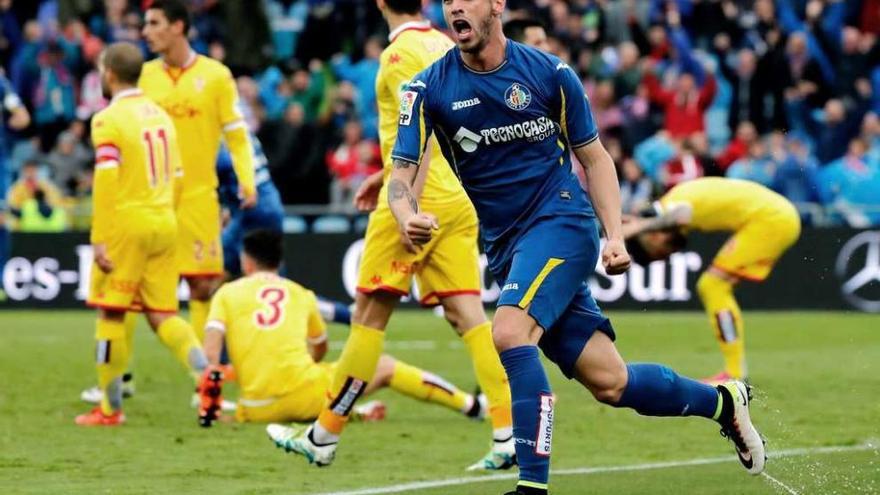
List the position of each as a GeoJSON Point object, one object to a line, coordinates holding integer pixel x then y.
{"type": "Point", "coordinates": [708, 284]}
{"type": "Point", "coordinates": [201, 289]}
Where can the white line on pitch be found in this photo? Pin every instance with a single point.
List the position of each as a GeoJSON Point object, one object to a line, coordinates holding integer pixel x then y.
{"type": "Point", "coordinates": [423, 485]}
{"type": "Point", "coordinates": [785, 487]}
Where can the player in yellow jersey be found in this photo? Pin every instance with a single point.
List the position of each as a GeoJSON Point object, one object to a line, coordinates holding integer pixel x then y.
{"type": "Point", "coordinates": [276, 339]}
{"type": "Point", "coordinates": [134, 229]}
{"type": "Point", "coordinates": [200, 95]}
{"type": "Point", "coordinates": [764, 225]}
{"type": "Point", "coordinates": [446, 269]}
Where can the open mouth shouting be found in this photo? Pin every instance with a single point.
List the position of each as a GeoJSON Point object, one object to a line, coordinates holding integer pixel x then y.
{"type": "Point", "coordinates": [463, 30]}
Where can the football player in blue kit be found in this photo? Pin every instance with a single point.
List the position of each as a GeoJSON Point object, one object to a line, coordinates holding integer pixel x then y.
{"type": "Point", "coordinates": [507, 117]}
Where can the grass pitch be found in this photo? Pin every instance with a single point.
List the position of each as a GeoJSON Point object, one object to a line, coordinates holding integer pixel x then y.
{"type": "Point", "coordinates": [817, 378]}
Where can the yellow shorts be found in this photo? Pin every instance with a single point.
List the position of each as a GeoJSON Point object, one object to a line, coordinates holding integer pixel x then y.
{"type": "Point", "coordinates": [751, 252]}
{"type": "Point", "coordinates": [143, 253]}
{"type": "Point", "coordinates": [300, 405]}
{"type": "Point", "coordinates": [199, 249]}
{"type": "Point", "coordinates": [448, 265]}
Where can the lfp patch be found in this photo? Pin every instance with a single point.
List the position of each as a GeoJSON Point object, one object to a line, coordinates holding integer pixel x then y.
{"type": "Point", "coordinates": [407, 102]}
{"type": "Point", "coordinates": [517, 96]}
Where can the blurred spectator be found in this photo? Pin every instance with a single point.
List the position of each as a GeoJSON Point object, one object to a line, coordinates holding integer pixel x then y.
{"type": "Point", "coordinates": [756, 166]}
{"type": "Point", "coordinates": [350, 163]}
{"type": "Point", "coordinates": [68, 162]}
{"type": "Point", "coordinates": [307, 89]}
{"type": "Point", "coordinates": [39, 215]}
{"type": "Point", "coordinates": [635, 188]}
{"type": "Point", "coordinates": [27, 186]}
{"type": "Point", "coordinates": [683, 167]}
{"type": "Point", "coordinates": [53, 98]}
{"type": "Point", "coordinates": [806, 76]}
{"type": "Point", "coordinates": [851, 185]}
{"type": "Point", "coordinates": [738, 147]}
{"type": "Point", "coordinates": [287, 20]}
{"type": "Point", "coordinates": [797, 177]}
{"type": "Point", "coordinates": [684, 106]}
{"type": "Point", "coordinates": [362, 75]}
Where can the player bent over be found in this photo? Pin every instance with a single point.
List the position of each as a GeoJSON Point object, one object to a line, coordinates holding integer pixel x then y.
{"type": "Point", "coordinates": [540, 231]}
{"type": "Point", "coordinates": [276, 339]}
{"type": "Point", "coordinates": [134, 230]}
{"type": "Point", "coordinates": [446, 269]}
{"type": "Point", "coordinates": [763, 225]}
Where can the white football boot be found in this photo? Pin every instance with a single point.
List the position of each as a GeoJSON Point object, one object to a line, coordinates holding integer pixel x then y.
{"type": "Point", "coordinates": [299, 441]}
{"type": "Point", "coordinates": [739, 429]}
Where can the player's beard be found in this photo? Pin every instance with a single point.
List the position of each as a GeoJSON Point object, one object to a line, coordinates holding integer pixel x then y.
{"type": "Point", "coordinates": [483, 31]}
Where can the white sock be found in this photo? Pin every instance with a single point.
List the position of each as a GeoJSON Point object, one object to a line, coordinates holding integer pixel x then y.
{"type": "Point", "coordinates": [468, 404]}
{"type": "Point", "coordinates": [321, 436]}
{"type": "Point", "coordinates": [502, 434]}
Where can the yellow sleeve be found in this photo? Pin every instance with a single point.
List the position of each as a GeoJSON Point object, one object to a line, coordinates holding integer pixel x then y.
{"type": "Point", "coordinates": [105, 137]}
{"type": "Point", "coordinates": [398, 67]}
{"type": "Point", "coordinates": [317, 331]}
{"type": "Point", "coordinates": [217, 315]}
{"type": "Point", "coordinates": [236, 133]}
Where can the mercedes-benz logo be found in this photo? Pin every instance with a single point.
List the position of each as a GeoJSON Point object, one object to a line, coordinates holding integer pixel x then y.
{"type": "Point", "coordinates": [860, 274]}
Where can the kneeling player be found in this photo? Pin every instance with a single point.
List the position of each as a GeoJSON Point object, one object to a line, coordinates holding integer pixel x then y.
{"type": "Point", "coordinates": [134, 229]}
{"type": "Point", "coordinates": [267, 322]}
{"type": "Point", "coordinates": [764, 225]}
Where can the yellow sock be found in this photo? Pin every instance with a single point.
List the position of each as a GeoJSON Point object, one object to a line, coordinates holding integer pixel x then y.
{"type": "Point", "coordinates": [726, 318]}
{"type": "Point", "coordinates": [178, 336]}
{"type": "Point", "coordinates": [130, 324]}
{"type": "Point", "coordinates": [422, 385]}
{"type": "Point", "coordinates": [111, 357]}
{"type": "Point", "coordinates": [355, 368]}
{"type": "Point", "coordinates": [198, 317]}
{"type": "Point", "coordinates": [490, 373]}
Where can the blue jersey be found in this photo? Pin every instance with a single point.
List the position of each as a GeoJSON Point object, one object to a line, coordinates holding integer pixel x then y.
{"type": "Point", "coordinates": [507, 133]}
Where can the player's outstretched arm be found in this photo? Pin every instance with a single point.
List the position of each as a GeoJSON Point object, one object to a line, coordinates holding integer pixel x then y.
{"type": "Point", "coordinates": [417, 227]}
{"type": "Point", "coordinates": [605, 194]}
{"type": "Point", "coordinates": [674, 216]}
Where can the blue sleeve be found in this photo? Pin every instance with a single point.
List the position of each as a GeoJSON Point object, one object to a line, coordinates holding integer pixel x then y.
{"type": "Point", "coordinates": [575, 115]}
{"type": "Point", "coordinates": [414, 125]}
{"type": "Point", "coordinates": [686, 60]}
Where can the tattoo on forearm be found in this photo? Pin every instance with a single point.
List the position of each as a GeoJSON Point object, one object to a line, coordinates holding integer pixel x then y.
{"type": "Point", "coordinates": [398, 190]}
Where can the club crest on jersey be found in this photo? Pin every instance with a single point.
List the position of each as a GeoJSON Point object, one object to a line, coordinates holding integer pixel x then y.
{"type": "Point", "coordinates": [407, 102]}
{"type": "Point", "coordinates": [517, 96]}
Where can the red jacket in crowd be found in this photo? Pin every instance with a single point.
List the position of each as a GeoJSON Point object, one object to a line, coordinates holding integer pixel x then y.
{"type": "Point", "coordinates": [684, 112]}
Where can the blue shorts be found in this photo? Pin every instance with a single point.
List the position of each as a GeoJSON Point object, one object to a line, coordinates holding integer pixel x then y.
{"type": "Point", "coordinates": [546, 275]}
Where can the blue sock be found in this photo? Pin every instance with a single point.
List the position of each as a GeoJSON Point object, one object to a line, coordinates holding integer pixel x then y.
{"type": "Point", "coordinates": [656, 390]}
{"type": "Point", "coordinates": [532, 413]}
{"type": "Point", "coordinates": [334, 311]}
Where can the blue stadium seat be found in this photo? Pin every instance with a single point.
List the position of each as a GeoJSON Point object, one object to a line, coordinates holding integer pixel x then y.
{"type": "Point", "coordinates": [294, 225]}
{"type": "Point", "coordinates": [331, 224]}
{"type": "Point", "coordinates": [360, 224]}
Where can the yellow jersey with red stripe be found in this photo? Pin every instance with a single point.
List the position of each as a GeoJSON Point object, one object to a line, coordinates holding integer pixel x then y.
{"type": "Point", "coordinates": [268, 322]}
{"type": "Point", "coordinates": [414, 46]}
{"type": "Point", "coordinates": [201, 98]}
{"type": "Point", "coordinates": [137, 138]}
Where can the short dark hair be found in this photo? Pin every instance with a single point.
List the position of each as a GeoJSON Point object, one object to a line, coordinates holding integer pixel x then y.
{"type": "Point", "coordinates": [516, 28]}
{"type": "Point", "coordinates": [640, 255]}
{"type": "Point", "coordinates": [411, 7]}
{"type": "Point", "coordinates": [174, 10]}
{"type": "Point", "coordinates": [125, 60]}
{"type": "Point", "coordinates": [265, 247]}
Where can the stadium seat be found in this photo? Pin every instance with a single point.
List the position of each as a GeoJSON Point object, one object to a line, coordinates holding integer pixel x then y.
{"type": "Point", "coordinates": [294, 225]}
{"type": "Point", "coordinates": [360, 224]}
{"type": "Point", "coordinates": [331, 224]}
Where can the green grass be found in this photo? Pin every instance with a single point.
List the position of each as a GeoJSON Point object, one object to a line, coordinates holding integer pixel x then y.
{"type": "Point", "coordinates": [817, 377]}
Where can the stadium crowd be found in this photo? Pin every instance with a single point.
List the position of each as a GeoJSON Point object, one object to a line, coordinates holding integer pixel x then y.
{"type": "Point", "coordinates": [785, 93]}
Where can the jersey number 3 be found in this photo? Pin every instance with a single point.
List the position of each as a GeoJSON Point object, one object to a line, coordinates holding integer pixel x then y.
{"type": "Point", "coordinates": [271, 314]}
